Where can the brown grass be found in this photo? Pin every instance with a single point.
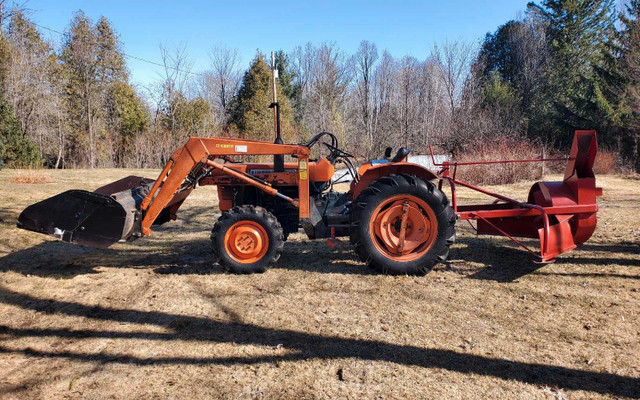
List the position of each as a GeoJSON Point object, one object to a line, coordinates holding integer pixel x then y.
{"type": "Point", "coordinates": [156, 319]}
{"type": "Point", "coordinates": [495, 174]}
{"type": "Point", "coordinates": [29, 176]}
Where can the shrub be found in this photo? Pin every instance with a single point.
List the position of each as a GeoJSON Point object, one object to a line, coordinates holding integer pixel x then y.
{"type": "Point", "coordinates": [606, 162]}
{"type": "Point", "coordinates": [500, 149]}
{"type": "Point", "coordinates": [30, 176]}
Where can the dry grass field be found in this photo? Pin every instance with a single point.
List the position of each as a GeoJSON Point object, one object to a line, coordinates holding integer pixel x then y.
{"type": "Point", "coordinates": [157, 319]}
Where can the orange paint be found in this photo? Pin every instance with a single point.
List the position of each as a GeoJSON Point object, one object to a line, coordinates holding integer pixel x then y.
{"type": "Point", "coordinates": [403, 228]}
{"type": "Point", "coordinates": [246, 242]}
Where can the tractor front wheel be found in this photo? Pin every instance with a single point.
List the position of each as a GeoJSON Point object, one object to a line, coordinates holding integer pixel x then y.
{"type": "Point", "coordinates": [402, 224]}
{"type": "Point", "coordinates": [247, 240]}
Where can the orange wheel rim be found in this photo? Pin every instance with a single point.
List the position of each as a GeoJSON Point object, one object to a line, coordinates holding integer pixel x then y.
{"type": "Point", "coordinates": [246, 242]}
{"type": "Point", "coordinates": [403, 228]}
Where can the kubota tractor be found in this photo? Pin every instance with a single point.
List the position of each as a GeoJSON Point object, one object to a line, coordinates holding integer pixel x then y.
{"type": "Point", "coordinates": [397, 217]}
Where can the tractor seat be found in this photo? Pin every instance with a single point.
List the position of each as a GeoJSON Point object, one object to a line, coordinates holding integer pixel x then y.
{"type": "Point", "coordinates": [402, 153]}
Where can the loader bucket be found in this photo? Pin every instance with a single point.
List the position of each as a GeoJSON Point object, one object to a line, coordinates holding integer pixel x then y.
{"type": "Point", "coordinates": [97, 219]}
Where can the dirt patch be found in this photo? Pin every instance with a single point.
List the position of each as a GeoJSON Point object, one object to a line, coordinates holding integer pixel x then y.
{"type": "Point", "coordinates": [156, 319]}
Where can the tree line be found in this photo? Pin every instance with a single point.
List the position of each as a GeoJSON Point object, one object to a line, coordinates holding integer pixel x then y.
{"type": "Point", "coordinates": [563, 65]}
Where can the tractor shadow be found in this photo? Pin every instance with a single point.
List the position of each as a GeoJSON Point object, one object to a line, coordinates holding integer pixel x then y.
{"type": "Point", "coordinates": [505, 263]}
{"type": "Point", "coordinates": [183, 247]}
{"type": "Point", "coordinates": [317, 256]}
{"type": "Point", "coordinates": [499, 260]}
{"type": "Point", "coordinates": [64, 261]}
{"type": "Point", "coordinates": [185, 257]}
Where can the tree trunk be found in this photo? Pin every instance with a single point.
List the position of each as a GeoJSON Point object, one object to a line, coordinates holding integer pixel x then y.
{"type": "Point", "coordinates": [61, 142]}
{"type": "Point", "coordinates": [92, 160]}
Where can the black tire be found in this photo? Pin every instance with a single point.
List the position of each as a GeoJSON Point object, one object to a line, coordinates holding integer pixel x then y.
{"type": "Point", "coordinates": [257, 215]}
{"type": "Point", "coordinates": [376, 194]}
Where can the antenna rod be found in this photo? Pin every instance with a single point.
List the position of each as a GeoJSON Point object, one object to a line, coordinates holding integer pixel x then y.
{"type": "Point", "coordinates": [274, 74]}
{"type": "Point", "coordinates": [278, 160]}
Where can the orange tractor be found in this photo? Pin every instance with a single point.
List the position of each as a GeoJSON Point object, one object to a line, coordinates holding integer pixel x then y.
{"type": "Point", "coordinates": [396, 214]}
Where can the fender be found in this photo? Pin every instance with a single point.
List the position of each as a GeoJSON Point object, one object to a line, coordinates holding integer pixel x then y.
{"type": "Point", "coordinates": [370, 173]}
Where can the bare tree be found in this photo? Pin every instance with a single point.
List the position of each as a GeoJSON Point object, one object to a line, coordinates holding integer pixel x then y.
{"type": "Point", "coordinates": [327, 90]}
{"type": "Point", "coordinates": [364, 60]}
{"type": "Point", "coordinates": [303, 62]}
{"type": "Point", "coordinates": [528, 38]}
{"type": "Point", "coordinates": [383, 89]}
{"type": "Point", "coordinates": [28, 82]}
{"type": "Point", "coordinates": [408, 78]}
{"type": "Point", "coordinates": [454, 60]}
{"type": "Point", "coordinates": [221, 83]}
{"type": "Point", "coordinates": [170, 95]}
{"type": "Point", "coordinates": [175, 79]}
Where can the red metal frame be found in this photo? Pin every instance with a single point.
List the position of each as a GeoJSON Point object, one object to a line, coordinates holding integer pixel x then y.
{"type": "Point", "coordinates": [566, 217]}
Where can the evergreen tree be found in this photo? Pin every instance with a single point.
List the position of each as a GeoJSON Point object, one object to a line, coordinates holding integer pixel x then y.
{"type": "Point", "coordinates": [286, 76]}
{"type": "Point", "coordinates": [578, 35]}
{"type": "Point", "coordinates": [630, 65]}
{"type": "Point", "coordinates": [93, 62]}
{"type": "Point", "coordinates": [16, 150]}
{"type": "Point", "coordinates": [79, 61]}
{"type": "Point", "coordinates": [250, 114]}
{"type": "Point", "coordinates": [127, 115]}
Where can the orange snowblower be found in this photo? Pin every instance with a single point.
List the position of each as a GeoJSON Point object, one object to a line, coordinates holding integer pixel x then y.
{"type": "Point", "coordinates": [396, 214]}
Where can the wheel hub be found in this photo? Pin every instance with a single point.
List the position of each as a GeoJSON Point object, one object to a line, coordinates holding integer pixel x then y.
{"type": "Point", "coordinates": [403, 227]}
{"type": "Point", "coordinates": [246, 241]}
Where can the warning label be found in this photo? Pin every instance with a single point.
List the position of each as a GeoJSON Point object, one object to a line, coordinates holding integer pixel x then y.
{"type": "Point", "coordinates": [302, 167]}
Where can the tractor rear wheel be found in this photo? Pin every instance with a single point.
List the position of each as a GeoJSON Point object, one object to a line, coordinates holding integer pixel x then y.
{"type": "Point", "coordinates": [247, 240]}
{"type": "Point", "coordinates": [402, 224]}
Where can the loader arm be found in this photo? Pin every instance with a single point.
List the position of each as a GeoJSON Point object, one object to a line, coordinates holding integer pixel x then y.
{"type": "Point", "coordinates": [202, 151]}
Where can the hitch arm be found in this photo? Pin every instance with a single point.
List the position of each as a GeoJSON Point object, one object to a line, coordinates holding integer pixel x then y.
{"type": "Point", "coordinates": [252, 180]}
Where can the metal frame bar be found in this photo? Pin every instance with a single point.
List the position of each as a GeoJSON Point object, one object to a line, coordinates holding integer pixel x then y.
{"type": "Point", "coordinates": [521, 209]}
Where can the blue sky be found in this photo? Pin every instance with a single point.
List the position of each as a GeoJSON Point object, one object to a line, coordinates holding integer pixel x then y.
{"type": "Point", "coordinates": [402, 27]}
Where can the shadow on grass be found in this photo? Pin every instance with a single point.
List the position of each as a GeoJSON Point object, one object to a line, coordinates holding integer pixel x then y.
{"type": "Point", "coordinates": [168, 256]}
{"type": "Point", "coordinates": [505, 263]}
{"type": "Point", "coordinates": [623, 247]}
{"type": "Point", "coordinates": [303, 346]}
{"type": "Point", "coordinates": [166, 249]}
{"type": "Point", "coordinates": [501, 262]}
{"type": "Point", "coordinates": [317, 256]}
{"type": "Point", "coordinates": [62, 260]}
{"type": "Point", "coordinates": [5, 216]}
